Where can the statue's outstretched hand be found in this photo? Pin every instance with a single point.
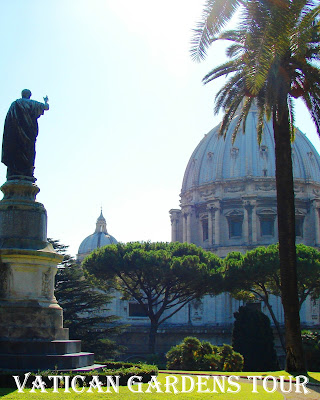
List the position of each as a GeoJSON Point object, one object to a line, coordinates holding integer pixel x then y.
{"type": "Point", "coordinates": [46, 99]}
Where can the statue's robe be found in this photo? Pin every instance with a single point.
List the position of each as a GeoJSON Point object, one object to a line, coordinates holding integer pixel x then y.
{"type": "Point", "coordinates": [19, 136]}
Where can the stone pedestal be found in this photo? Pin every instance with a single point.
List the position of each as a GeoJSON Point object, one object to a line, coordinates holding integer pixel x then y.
{"type": "Point", "coordinates": [31, 321]}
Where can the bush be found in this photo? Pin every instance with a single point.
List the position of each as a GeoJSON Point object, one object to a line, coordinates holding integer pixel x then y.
{"type": "Point", "coordinates": [124, 370]}
{"type": "Point", "coordinates": [253, 337]}
{"type": "Point", "coordinates": [311, 346]}
{"type": "Point", "coordinates": [193, 355]}
{"type": "Point", "coordinates": [156, 359]}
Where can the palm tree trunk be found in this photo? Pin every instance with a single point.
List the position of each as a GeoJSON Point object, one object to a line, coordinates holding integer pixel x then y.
{"type": "Point", "coordinates": [287, 250]}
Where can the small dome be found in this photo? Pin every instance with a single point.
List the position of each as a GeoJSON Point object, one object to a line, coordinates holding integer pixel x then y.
{"type": "Point", "coordinates": [217, 159]}
{"type": "Point", "coordinates": [99, 238]}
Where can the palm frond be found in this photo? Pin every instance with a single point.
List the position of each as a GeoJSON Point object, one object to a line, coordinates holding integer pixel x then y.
{"type": "Point", "coordinates": [262, 110]}
{"type": "Point", "coordinates": [246, 115]}
{"type": "Point", "coordinates": [291, 118]}
{"type": "Point", "coordinates": [304, 31]}
{"type": "Point", "coordinates": [215, 16]}
{"type": "Point", "coordinates": [312, 103]}
{"type": "Point", "coordinates": [221, 70]}
{"type": "Point", "coordinates": [234, 50]}
{"type": "Point", "coordinates": [229, 115]}
{"type": "Point", "coordinates": [275, 54]}
{"type": "Point", "coordinates": [235, 35]}
{"type": "Point", "coordinates": [246, 105]}
{"type": "Point", "coordinates": [235, 87]}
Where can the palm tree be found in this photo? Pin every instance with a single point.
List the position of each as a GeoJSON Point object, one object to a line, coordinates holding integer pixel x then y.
{"type": "Point", "coordinates": [273, 58]}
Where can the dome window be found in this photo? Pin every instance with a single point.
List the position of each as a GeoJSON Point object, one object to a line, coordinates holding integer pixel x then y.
{"type": "Point", "coordinates": [300, 215]}
{"type": "Point", "coordinates": [205, 230]}
{"type": "Point", "coordinates": [263, 150]}
{"type": "Point", "coordinates": [299, 226]}
{"type": "Point", "coordinates": [234, 152]}
{"type": "Point", "coordinates": [267, 226]}
{"type": "Point", "coordinates": [267, 218]}
{"type": "Point", "coordinates": [235, 220]}
{"type": "Point", "coordinates": [235, 227]}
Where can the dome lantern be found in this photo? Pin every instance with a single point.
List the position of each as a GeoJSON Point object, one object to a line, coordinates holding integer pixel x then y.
{"type": "Point", "coordinates": [101, 225]}
{"type": "Point", "coordinates": [98, 239]}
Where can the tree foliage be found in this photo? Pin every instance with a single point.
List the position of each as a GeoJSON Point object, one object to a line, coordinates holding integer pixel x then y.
{"type": "Point", "coordinates": [256, 275]}
{"type": "Point", "coordinates": [252, 336]}
{"type": "Point", "coordinates": [84, 305]}
{"type": "Point", "coordinates": [161, 277]}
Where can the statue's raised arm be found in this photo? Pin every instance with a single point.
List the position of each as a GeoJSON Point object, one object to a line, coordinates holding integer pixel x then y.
{"type": "Point", "coordinates": [20, 134]}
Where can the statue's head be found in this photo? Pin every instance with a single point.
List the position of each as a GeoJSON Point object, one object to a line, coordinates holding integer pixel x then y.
{"type": "Point", "coordinates": [26, 94]}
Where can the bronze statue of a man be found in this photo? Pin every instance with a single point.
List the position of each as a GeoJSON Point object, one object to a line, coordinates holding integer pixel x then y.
{"type": "Point", "coordinates": [20, 134]}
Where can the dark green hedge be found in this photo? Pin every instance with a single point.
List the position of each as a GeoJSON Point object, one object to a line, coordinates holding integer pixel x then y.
{"type": "Point", "coordinates": [123, 370]}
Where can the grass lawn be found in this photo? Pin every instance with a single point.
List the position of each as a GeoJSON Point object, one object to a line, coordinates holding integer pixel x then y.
{"type": "Point", "coordinates": [245, 393]}
{"type": "Point", "coordinates": [314, 377]}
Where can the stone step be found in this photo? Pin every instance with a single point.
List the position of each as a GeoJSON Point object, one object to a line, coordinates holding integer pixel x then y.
{"type": "Point", "coordinates": [38, 362]}
{"type": "Point", "coordinates": [39, 347]}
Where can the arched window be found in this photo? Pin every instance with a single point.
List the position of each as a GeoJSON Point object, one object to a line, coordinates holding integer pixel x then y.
{"type": "Point", "coordinates": [205, 230]}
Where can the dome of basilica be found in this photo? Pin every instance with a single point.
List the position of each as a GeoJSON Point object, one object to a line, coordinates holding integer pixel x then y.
{"type": "Point", "coordinates": [99, 238]}
{"type": "Point", "coordinates": [228, 196]}
{"type": "Point", "coordinates": [216, 158]}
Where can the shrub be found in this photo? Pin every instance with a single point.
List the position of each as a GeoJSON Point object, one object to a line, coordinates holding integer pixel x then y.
{"type": "Point", "coordinates": [193, 355]}
{"type": "Point", "coordinates": [124, 370]}
{"type": "Point", "coordinates": [311, 346]}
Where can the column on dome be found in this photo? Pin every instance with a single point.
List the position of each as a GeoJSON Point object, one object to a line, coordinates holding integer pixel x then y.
{"type": "Point", "coordinates": [175, 217]}
{"type": "Point", "coordinates": [173, 229]}
{"type": "Point", "coordinates": [210, 225]}
{"type": "Point", "coordinates": [253, 204]}
{"type": "Point", "coordinates": [276, 228]}
{"type": "Point", "coordinates": [184, 227]}
{"type": "Point", "coordinates": [250, 219]}
{"type": "Point", "coordinates": [200, 232]}
{"type": "Point", "coordinates": [316, 207]}
{"type": "Point", "coordinates": [216, 209]}
{"type": "Point", "coordinates": [246, 230]}
{"type": "Point", "coordinates": [188, 226]}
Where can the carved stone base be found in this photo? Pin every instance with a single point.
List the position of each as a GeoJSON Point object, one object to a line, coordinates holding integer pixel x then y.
{"type": "Point", "coordinates": [28, 264]}
{"type": "Point", "coordinates": [23, 221]}
{"type": "Point", "coordinates": [32, 336]}
{"type": "Point", "coordinates": [29, 308]}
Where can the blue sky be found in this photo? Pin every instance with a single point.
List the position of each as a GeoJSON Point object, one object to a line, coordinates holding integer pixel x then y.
{"type": "Point", "coordinates": [127, 108]}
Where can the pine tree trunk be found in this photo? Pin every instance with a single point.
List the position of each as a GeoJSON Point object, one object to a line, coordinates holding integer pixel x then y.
{"type": "Point", "coordinates": [287, 250]}
{"type": "Point", "coordinates": [152, 337]}
{"type": "Point", "coordinates": [277, 325]}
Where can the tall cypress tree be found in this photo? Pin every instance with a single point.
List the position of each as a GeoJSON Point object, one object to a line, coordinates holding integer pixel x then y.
{"type": "Point", "coordinates": [252, 337]}
{"type": "Point", "coordinates": [85, 307]}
